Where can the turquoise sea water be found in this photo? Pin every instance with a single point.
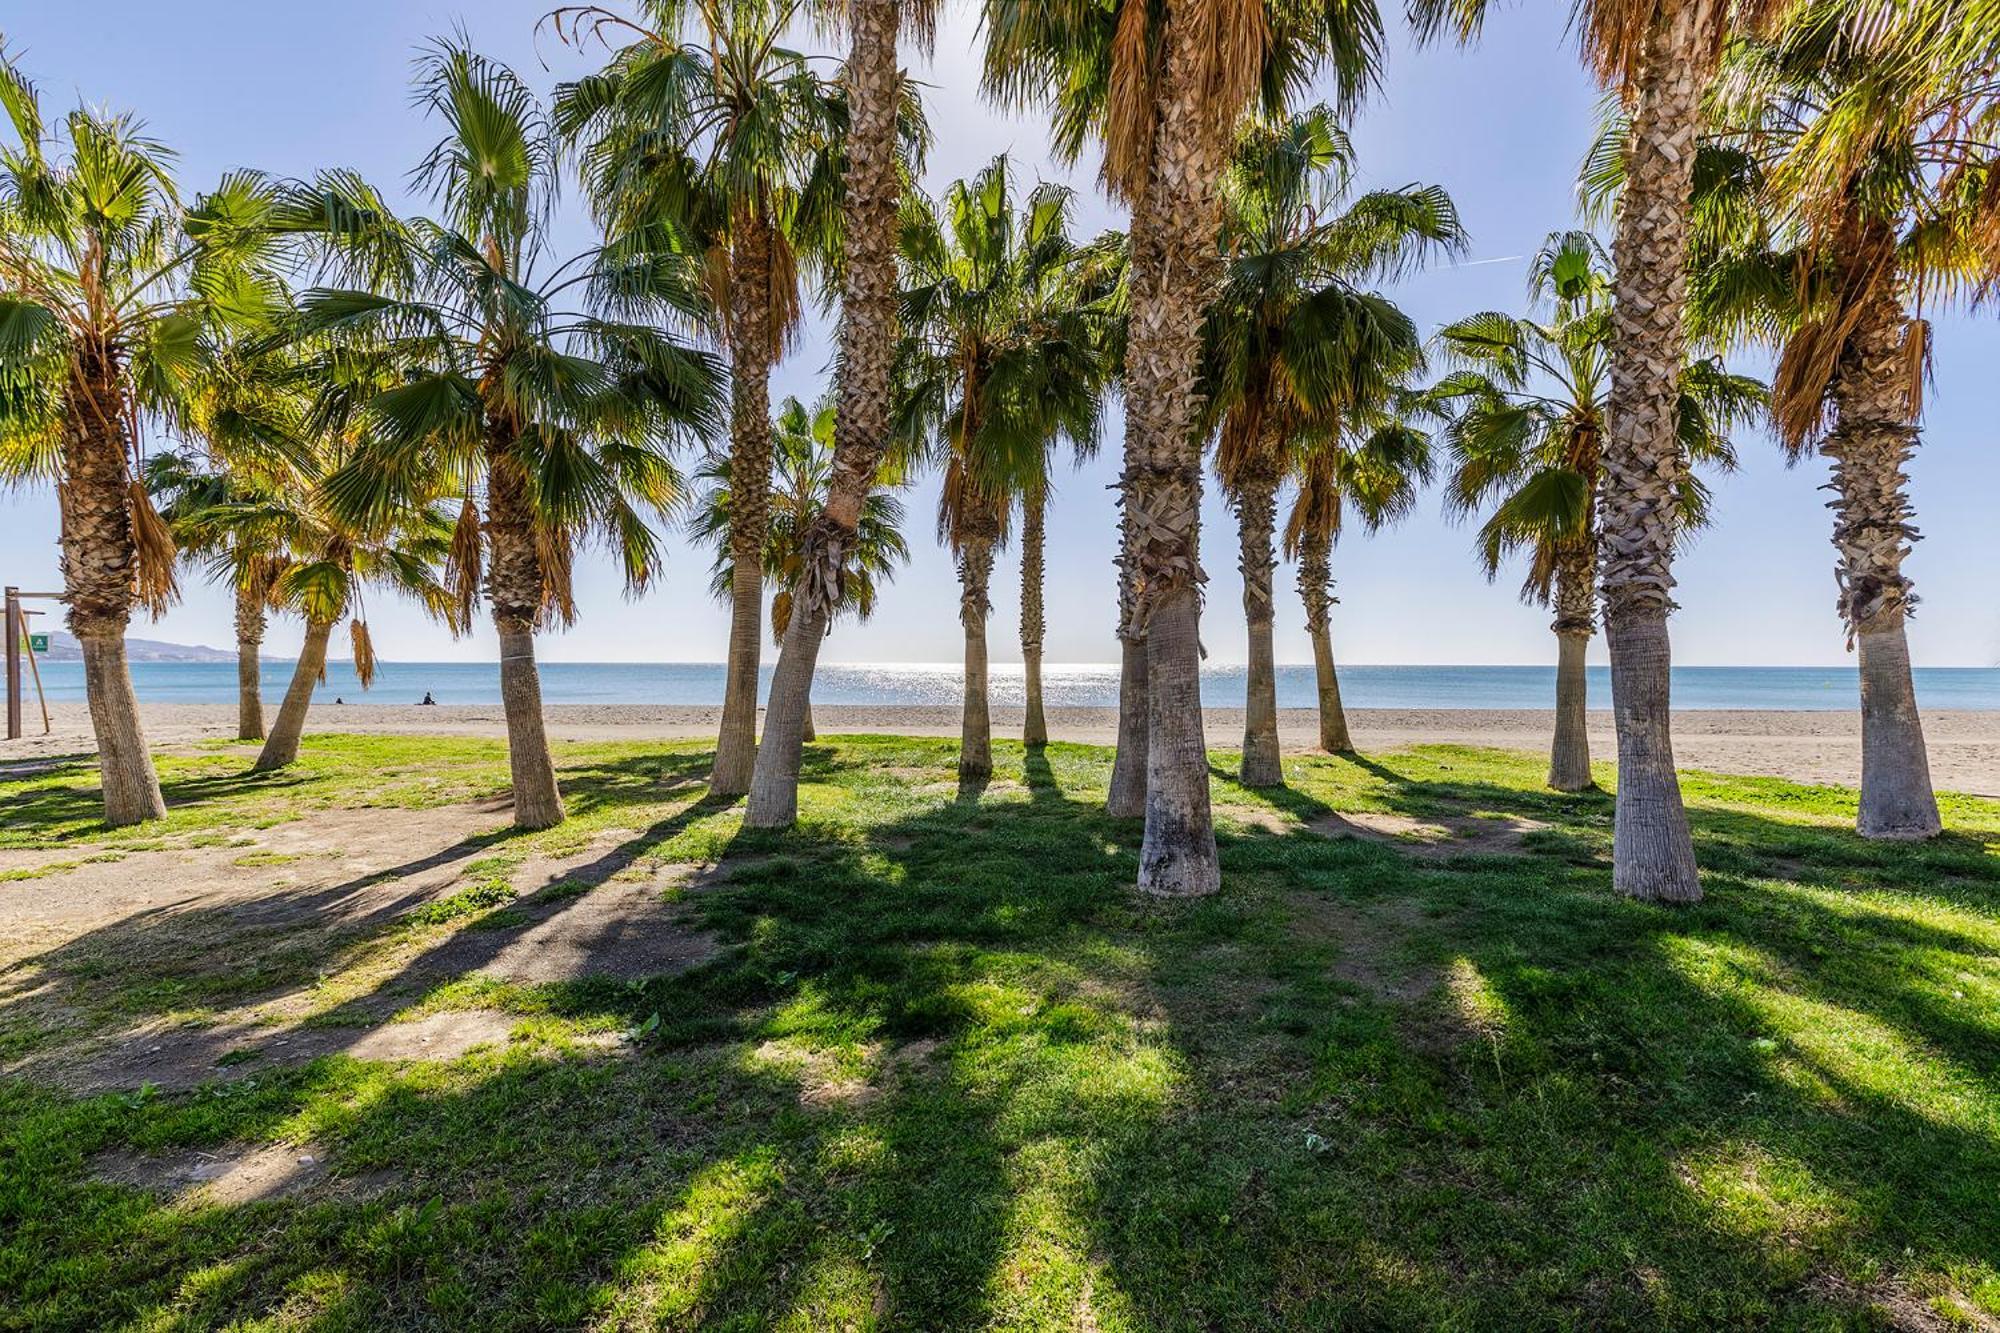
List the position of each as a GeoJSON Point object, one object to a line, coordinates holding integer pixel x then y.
{"type": "Point", "coordinates": [1064, 685]}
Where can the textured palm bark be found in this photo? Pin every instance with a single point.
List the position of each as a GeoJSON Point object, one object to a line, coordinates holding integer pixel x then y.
{"type": "Point", "coordinates": [249, 666]}
{"type": "Point", "coordinates": [751, 348]}
{"type": "Point", "coordinates": [861, 425]}
{"type": "Point", "coordinates": [1316, 592]}
{"type": "Point", "coordinates": [99, 564]}
{"type": "Point", "coordinates": [1652, 851]}
{"type": "Point", "coordinates": [1034, 539]}
{"type": "Point", "coordinates": [283, 746]}
{"type": "Point", "coordinates": [1870, 445]}
{"type": "Point", "coordinates": [514, 589]}
{"type": "Point", "coordinates": [1576, 617]}
{"type": "Point", "coordinates": [808, 731]}
{"type": "Point", "coordinates": [1173, 265]}
{"type": "Point", "coordinates": [1569, 752]}
{"type": "Point", "coordinates": [975, 735]}
{"type": "Point", "coordinates": [1256, 506]}
{"type": "Point", "coordinates": [1126, 798]}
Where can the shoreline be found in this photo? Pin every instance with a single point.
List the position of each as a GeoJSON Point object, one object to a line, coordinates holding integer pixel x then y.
{"type": "Point", "coordinates": [1810, 746]}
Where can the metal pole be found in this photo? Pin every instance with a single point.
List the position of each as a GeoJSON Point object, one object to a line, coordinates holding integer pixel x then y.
{"type": "Point", "coordinates": [14, 627]}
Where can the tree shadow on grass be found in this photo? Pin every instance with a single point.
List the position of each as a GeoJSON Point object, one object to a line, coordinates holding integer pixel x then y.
{"type": "Point", "coordinates": [951, 1073]}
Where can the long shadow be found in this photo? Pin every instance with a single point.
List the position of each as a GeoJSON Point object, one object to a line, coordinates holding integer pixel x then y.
{"type": "Point", "coordinates": [1082, 1109]}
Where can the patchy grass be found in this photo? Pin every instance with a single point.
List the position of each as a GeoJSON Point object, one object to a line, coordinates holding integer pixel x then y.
{"type": "Point", "coordinates": [951, 1073]}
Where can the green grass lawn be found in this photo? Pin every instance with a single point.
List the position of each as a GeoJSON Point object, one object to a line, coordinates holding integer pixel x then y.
{"type": "Point", "coordinates": [949, 1071]}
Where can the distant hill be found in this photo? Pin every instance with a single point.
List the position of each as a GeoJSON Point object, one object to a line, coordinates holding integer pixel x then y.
{"type": "Point", "coordinates": [63, 648]}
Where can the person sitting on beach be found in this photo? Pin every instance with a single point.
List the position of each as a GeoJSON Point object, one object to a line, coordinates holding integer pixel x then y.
{"type": "Point", "coordinates": [427, 701]}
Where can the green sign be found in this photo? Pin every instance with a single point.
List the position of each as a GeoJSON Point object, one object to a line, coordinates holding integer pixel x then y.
{"type": "Point", "coordinates": [38, 643]}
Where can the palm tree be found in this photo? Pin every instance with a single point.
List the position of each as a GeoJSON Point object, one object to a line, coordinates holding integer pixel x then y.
{"type": "Point", "coordinates": [1374, 462]}
{"type": "Point", "coordinates": [802, 450]}
{"type": "Point", "coordinates": [1164, 87]}
{"type": "Point", "coordinates": [1526, 434]}
{"type": "Point", "coordinates": [1659, 55]}
{"type": "Point", "coordinates": [115, 292]}
{"type": "Point", "coordinates": [726, 137]}
{"type": "Point", "coordinates": [248, 562]}
{"type": "Point", "coordinates": [872, 189]}
{"type": "Point", "coordinates": [559, 418]}
{"type": "Point", "coordinates": [1004, 353]}
{"type": "Point", "coordinates": [243, 414]}
{"type": "Point", "coordinates": [1294, 339]}
{"type": "Point", "coordinates": [1838, 207]}
{"type": "Point", "coordinates": [276, 530]}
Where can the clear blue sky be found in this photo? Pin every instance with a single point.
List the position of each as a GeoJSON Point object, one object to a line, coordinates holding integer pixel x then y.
{"type": "Point", "coordinates": [288, 88]}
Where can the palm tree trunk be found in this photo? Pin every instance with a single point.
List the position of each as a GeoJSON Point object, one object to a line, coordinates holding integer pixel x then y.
{"type": "Point", "coordinates": [1256, 502]}
{"type": "Point", "coordinates": [283, 746]}
{"type": "Point", "coordinates": [1127, 797]}
{"type": "Point", "coordinates": [975, 741]}
{"type": "Point", "coordinates": [1316, 591]}
{"type": "Point", "coordinates": [99, 560]}
{"type": "Point", "coordinates": [249, 668]}
{"type": "Point", "coordinates": [1870, 445]}
{"type": "Point", "coordinates": [1172, 268]}
{"type": "Point", "coordinates": [810, 732]}
{"type": "Point", "coordinates": [751, 353]}
{"type": "Point", "coordinates": [1569, 752]}
{"type": "Point", "coordinates": [1034, 515]}
{"type": "Point", "coordinates": [1652, 852]}
{"type": "Point", "coordinates": [861, 429]}
{"type": "Point", "coordinates": [514, 588]}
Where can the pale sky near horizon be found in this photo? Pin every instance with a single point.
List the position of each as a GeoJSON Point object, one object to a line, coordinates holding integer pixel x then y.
{"type": "Point", "coordinates": [289, 89]}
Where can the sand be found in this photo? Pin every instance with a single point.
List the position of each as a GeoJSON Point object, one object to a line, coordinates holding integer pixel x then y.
{"type": "Point", "coordinates": [1804, 746]}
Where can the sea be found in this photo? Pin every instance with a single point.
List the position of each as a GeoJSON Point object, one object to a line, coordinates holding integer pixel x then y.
{"type": "Point", "coordinates": [1065, 685]}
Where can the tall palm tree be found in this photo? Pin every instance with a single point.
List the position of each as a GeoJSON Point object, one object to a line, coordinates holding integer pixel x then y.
{"type": "Point", "coordinates": [872, 190]}
{"type": "Point", "coordinates": [706, 121]}
{"type": "Point", "coordinates": [1526, 411]}
{"type": "Point", "coordinates": [1839, 208]}
{"type": "Point", "coordinates": [243, 415]}
{"type": "Point", "coordinates": [1164, 86]}
{"type": "Point", "coordinates": [1659, 55]}
{"type": "Point", "coordinates": [559, 416]}
{"type": "Point", "coordinates": [1005, 352]}
{"type": "Point", "coordinates": [1294, 339]}
{"type": "Point", "coordinates": [115, 292]}
{"type": "Point", "coordinates": [802, 450]}
{"type": "Point", "coordinates": [1373, 462]}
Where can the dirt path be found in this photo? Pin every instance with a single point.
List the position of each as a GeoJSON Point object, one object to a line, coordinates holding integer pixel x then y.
{"type": "Point", "coordinates": [218, 956]}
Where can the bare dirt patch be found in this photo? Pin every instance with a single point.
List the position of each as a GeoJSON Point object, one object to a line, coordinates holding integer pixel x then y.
{"type": "Point", "coordinates": [1452, 835]}
{"type": "Point", "coordinates": [1893, 1305]}
{"type": "Point", "coordinates": [625, 930]}
{"type": "Point", "coordinates": [177, 1058]}
{"type": "Point", "coordinates": [236, 1174]}
{"type": "Point", "coordinates": [1371, 939]}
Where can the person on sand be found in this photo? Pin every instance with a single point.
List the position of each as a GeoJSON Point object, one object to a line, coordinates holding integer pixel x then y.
{"type": "Point", "coordinates": [427, 701]}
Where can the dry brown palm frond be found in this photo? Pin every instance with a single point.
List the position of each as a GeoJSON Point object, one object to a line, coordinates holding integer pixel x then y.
{"type": "Point", "coordinates": [153, 551]}
{"type": "Point", "coordinates": [556, 554]}
{"type": "Point", "coordinates": [1132, 106]}
{"type": "Point", "coordinates": [364, 651]}
{"type": "Point", "coordinates": [1812, 354]}
{"type": "Point", "coordinates": [462, 566]}
{"type": "Point", "coordinates": [1614, 33]}
{"type": "Point", "coordinates": [1916, 365]}
{"type": "Point", "coordinates": [786, 310]}
{"type": "Point", "coordinates": [1233, 38]}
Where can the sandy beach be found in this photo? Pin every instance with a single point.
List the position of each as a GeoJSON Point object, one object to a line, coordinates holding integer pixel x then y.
{"type": "Point", "coordinates": [1804, 746]}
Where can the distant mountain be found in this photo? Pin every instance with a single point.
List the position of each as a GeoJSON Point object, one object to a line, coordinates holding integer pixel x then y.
{"type": "Point", "coordinates": [63, 648]}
